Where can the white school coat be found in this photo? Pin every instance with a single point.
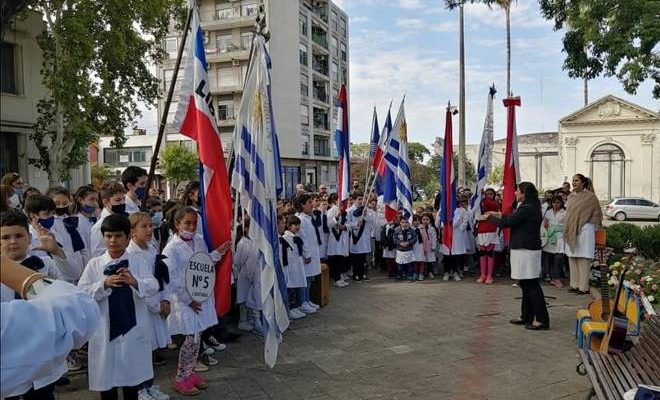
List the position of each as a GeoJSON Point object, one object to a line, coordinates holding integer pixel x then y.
{"type": "Point", "coordinates": [433, 242]}
{"type": "Point", "coordinates": [555, 219]}
{"type": "Point", "coordinates": [295, 271]}
{"type": "Point", "coordinates": [311, 247]}
{"type": "Point", "coordinates": [160, 335]}
{"type": "Point", "coordinates": [71, 272]}
{"type": "Point", "coordinates": [85, 230]}
{"type": "Point", "coordinates": [323, 247]}
{"type": "Point", "coordinates": [337, 247]}
{"type": "Point", "coordinates": [38, 334]}
{"type": "Point", "coordinates": [387, 253]}
{"type": "Point", "coordinates": [126, 360]}
{"type": "Point", "coordinates": [247, 269]}
{"type": "Point", "coordinates": [363, 245]}
{"type": "Point", "coordinates": [131, 206]}
{"type": "Point", "coordinates": [461, 236]}
{"type": "Point", "coordinates": [586, 243]}
{"type": "Point", "coordinates": [182, 319]}
{"type": "Point", "coordinates": [97, 245]}
{"type": "Point", "coordinates": [418, 247]}
{"type": "Point", "coordinates": [54, 268]}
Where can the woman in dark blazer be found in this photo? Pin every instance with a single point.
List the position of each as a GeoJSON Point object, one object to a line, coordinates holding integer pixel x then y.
{"type": "Point", "coordinates": [525, 244]}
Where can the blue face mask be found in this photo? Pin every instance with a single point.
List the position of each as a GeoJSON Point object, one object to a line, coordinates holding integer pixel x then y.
{"type": "Point", "coordinates": [48, 222]}
{"type": "Point", "coordinates": [140, 192]}
{"type": "Point", "coordinates": [156, 219]}
{"type": "Point", "coordinates": [87, 209]}
{"type": "Point", "coordinates": [19, 192]}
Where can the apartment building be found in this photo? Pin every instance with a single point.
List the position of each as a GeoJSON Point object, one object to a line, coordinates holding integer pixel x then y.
{"type": "Point", "coordinates": [309, 51]}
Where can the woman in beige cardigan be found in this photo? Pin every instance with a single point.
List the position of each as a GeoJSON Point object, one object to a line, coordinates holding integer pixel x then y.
{"type": "Point", "coordinates": [583, 216]}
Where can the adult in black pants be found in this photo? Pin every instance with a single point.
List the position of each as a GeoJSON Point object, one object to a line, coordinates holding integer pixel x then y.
{"type": "Point", "coordinates": [525, 244]}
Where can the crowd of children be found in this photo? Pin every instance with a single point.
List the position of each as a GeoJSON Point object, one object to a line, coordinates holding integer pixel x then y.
{"type": "Point", "coordinates": [133, 264]}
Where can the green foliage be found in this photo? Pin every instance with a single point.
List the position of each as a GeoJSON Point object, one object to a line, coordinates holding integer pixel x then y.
{"type": "Point", "coordinates": [178, 163]}
{"type": "Point", "coordinates": [620, 38]}
{"type": "Point", "coordinates": [100, 174]}
{"type": "Point", "coordinates": [359, 150]}
{"type": "Point", "coordinates": [96, 59]}
{"type": "Point", "coordinates": [496, 175]}
{"type": "Point", "coordinates": [622, 235]}
{"type": "Point", "coordinates": [648, 242]}
{"type": "Point", "coordinates": [417, 151]}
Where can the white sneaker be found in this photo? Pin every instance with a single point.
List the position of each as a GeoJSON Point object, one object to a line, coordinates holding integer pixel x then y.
{"type": "Point", "coordinates": [307, 309]}
{"type": "Point", "coordinates": [199, 367]}
{"type": "Point", "coordinates": [420, 277]}
{"type": "Point", "coordinates": [144, 394]}
{"type": "Point", "coordinates": [294, 314]}
{"type": "Point", "coordinates": [208, 360]}
{"type": "Point", "coordinates": [217, 346]}
{"type": "Point", "coordinates": [445, 277]}
{"type": "Point", "coordinates": [318, 307]}
{"type": "Point", "coordinates": [431, 276]}
{"type": "Point", "coordinates": [457, 277]}
{"type": "Point", "coordinates": [340, 284]}
{"type": "Point", "coordinates": [155, 392]}
{"type": "Point", "coordinates": [245, 326]}
{"type": "Point", "coordinates": [208, 350]}
{"type": "Point", "coordinates": [343, 277]}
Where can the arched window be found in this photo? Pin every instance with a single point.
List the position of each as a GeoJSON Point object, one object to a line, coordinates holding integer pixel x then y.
{"type": "Point", "coordinates": [608, 171]}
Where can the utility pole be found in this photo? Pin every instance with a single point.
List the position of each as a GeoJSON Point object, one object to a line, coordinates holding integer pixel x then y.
{"type": "Point", "coordinates": [461, 102]}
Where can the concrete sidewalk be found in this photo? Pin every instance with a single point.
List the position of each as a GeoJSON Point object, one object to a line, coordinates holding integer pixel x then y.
{"type": "Point", "coordinates": [401, 340]}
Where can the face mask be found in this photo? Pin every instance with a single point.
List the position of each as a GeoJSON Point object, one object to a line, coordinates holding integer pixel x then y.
{"type": "Point", "coordinates": [15, 202]}
{"type": "Point", "coordinates": [118, 209]}
{"type": "Point", "coordinates": [61, 211]}
{"type": "Point", "coordinates": [18, 192]}
{"type": "Point", "coordinates": [88, 209]}
{"type": "Point", "coordinates": [140, 192]}
{"type": "Point", "coordinates": [47, 223]}
{"type": "Point", "coordinates": [185, 235]}
{"type": "Point", "coordinates": [156, 219]}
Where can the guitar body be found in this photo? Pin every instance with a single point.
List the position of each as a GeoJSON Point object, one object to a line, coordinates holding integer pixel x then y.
{"type": "Point", "coordinates": [598, 312]}
{"type": "Point", "coordinates": [617, 336]}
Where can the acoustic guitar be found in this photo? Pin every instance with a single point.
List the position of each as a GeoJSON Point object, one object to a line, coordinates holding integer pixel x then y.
{"type": "Point", "coordinates": [599, 310]}
{"type": "Point", "coordinates": [617, 327]}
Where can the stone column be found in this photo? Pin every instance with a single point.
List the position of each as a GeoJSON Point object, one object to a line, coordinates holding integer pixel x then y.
{"type": "Point", "coordinates": [570, 144]}
{"type": "Point", "coordinates": [647, 166]}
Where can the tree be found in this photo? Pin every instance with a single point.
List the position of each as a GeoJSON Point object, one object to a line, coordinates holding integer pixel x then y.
{"type": "Point", "coordinates": [621, 37]}
{"type": "Point", "coordinates": [96, 59]}
{"type": "Point", "coordinates": [360, 150]}
{"type": "Point", "coordinates": [495, 176]}
{"type": "Point", "coordinates": [100, 175]}
{"type": "Point", "coordinates": [417, 152]}
{"type": "Point", "coordinates": [179, 164]}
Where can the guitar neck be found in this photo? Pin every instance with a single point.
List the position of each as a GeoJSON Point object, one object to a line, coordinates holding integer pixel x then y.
{"type": "Point", "coordinates": [604, 285]}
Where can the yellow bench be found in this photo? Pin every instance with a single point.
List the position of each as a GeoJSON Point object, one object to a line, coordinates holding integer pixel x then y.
{"type": "Point", "coordinates": [591, 329]}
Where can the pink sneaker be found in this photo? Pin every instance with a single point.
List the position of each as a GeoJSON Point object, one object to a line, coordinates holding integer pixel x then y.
{"type": "Point", "coordinates": [185, 387]}
{"type": "Point", "coordinates": [489, 280]}
{"type": "Point", "coordinates": [198, 381]}
{"type": "Point", "coordinates": [481, 279]}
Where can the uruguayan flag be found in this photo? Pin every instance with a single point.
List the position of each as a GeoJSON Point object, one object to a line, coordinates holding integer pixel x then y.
{"type": "Point", "coordinates": [485, 155]}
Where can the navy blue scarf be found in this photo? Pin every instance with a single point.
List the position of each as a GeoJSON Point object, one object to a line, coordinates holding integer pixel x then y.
{"type": "Point", "coordinates": [161, 272]}
{"type": "Point", "coordinates": [71, 225]}
{"type": "Point", "coordinates": [285, 246]}
{"type": "Point", "coordinates": [121, 306]}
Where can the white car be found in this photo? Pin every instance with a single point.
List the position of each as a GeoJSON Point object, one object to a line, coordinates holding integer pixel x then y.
{"type": "Point", "coordinates": [624, 208]}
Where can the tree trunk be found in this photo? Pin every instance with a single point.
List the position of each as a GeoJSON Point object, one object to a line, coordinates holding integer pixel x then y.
{"type": "Point", "coordinates": [508, 50]}
{"type": "Point", "coordinates": [57, 138]}
{"type": "Point", "coordinates": [461, 102]}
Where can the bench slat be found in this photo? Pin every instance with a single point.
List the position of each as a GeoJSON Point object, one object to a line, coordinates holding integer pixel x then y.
{"type": "Point", "coordinates": [638, 368]}
{"type": "Point", "coordinates": [651, 358]}
{"type": "Point", "coordinates": [606, 380]}
{"type": "Point", "coordinates": [591, 373]}
{"type": "Point", "coordinates": [629, 380]}
{"type": "Point", "coordinates": [615, 377]}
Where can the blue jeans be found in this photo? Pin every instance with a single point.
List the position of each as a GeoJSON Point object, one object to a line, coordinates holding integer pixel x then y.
{"type": "Point", "coordinates": [404, 270]}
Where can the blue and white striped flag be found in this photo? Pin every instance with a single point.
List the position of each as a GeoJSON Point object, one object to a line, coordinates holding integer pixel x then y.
{"type": "Point", "coordinates": [256, 179]}
{"type": "Point", "coordinates": [485, 155]}
{"type": "Point", "coordinates": [403, 189]}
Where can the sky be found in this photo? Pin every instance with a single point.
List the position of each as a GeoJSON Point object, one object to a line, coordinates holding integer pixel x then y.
{"type": "Point", "coordinates": [411, 46]}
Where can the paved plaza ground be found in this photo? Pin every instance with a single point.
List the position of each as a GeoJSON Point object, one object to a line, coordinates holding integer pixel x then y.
{"type": "Point", "coordinates": [399, 340]}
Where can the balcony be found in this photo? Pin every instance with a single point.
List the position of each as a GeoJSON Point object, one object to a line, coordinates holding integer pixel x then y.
{"type": "Point", "coordinates": [320, 40]}
{"type": "Point", "coordinates": [226, 20]}
{"type": "Point", "coordinates": [320, 120]}
{"type": "Point", "coordinates": [320, 95]}
{"type": "Point", "coordinates": [226, 53]}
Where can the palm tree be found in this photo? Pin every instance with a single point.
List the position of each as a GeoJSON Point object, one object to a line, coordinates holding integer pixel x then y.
{"type": "Point", "coordinates": [506, 6]}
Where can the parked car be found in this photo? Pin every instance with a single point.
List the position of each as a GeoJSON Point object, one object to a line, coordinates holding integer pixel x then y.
{"type": "Point", "coordinates": [623, 208]}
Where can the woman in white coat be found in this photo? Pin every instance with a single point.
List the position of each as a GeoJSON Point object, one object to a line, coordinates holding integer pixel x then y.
{"type": "Point", "coordinates": [188, 317]}
{"type": "Point", "coordinates": [120, 350]}
{"type": "Point", "coordinates": [553, 249]}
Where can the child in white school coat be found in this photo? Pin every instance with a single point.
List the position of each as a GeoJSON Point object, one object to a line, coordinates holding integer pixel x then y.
{"type": "Point", "coordinates": [418, 250]}
{"type": "Point", "coordinates": [247, 270]}
{"type": "Point", "coordinates": [86, 201]}
{"type": "Point", "coordinates": [292, 264]}
{"type": "Point", "coordinates": [303, 204]}
{"type": "Point", "coordinates": [68, 224]}
{"type": "Point", "coordinates": [141, 246]}
{"type": "Point", "coordinates": [113, 198]}
{"type": "Point", "coordinates": [188, 317]}
{"type": "Point", "coordinates": [360, 223]}
{"type": "Point", "coordinates": [120, 350]}
{"type": "Point", "coordinates": [337, 242]}
{"type": "Point", "coordinates": [429, 235]}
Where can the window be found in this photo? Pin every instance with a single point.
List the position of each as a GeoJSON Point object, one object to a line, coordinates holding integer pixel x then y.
{"type": "Point", "coordinates": [8, 68]}
{"type": "Point", "coordinates": [304, 86]}
{"type": "Point", "coordinates": [246, 40]}
{"type": "Point", "coordinates": [302, 21]}
{"type": "Point", "coordinates": [172, 111]}
{"type": "Point", "coordinates": [303, 54]}
{"type": "Point", "coordinates": [167, 78]}
{"type": "Point", "coordinates": [335, 20]}
{"type": "Point", "coordinates": [244, 69]}
{"type": "Point", "coordinates": [225, 110]}
{"type": "Point", "coordinates": [645, 203]}
{"type": "Point", "coordinates": [342, 46]}
{"type": "Point", "coordinates": [334, 71]}
{"type": "Point", "coordinates": [335, 46]}
{"type": "Point", "coordinates": [249, 9]}
{"type": "Point", "coordinates": [344, 77]}
{"type": "Point", "coordinates": [321, 147]}
{"type": "Point", "coordinates": [223, 43]}
{"type": "Point", "coordinates": [171, 44]}
{"type": "Point", "coordinates": [127, 156]}
{"type": "Point", "coordinates": [608, 171]}
{"type": "Point", "coordinates": [304, 114]}
{"type": "Point", "coordinates": [224, 12]}
{"type": "Point", "coordinates": [342, 27]}
{"type": "Point", "coordinates": [227, 77]}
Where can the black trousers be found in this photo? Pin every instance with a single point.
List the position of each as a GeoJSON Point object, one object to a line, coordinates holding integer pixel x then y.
{"type": "Point", "coordinates": [533, 302]}
{"type": "Point", "coordinates": [337, 265]}
{"type": "Point", "coordinates": [453, 263]}
{"type": "Point", "coordinates": [379, 263]}
{"type": "Point", "coordinates": [130, 393]}
{"type": "Point", "coordinates": [552, 265]}
{"type": "Point", "coordinates": [44, 393]}
{"type": "Point", "coordinates": [358, 261]}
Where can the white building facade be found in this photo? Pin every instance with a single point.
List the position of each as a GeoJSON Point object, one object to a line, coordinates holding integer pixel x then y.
{"type": "Point", "coordinates": [309, 51]}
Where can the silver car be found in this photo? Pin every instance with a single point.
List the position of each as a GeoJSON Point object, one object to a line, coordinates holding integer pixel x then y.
{"type": "Point", "coordinates": [632, 208]}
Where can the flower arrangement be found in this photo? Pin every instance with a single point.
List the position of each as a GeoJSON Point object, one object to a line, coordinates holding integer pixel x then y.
{"type": "Point", "coordinates": [643, 276]}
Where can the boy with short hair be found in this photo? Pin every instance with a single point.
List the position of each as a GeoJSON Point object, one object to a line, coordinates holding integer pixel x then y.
{"type": "Point", "coordinates": [360, 222]}
{"type": "Point", "coordinates": [134, 180]}
{"type": "Point", "coordinates": [15, 239]}
{"type": "Point", "coordinates": [113, 199]}
{"type": "Point", "coordinates": [404, 238]}
{"type": "Point", "coordinates": [120, 350]}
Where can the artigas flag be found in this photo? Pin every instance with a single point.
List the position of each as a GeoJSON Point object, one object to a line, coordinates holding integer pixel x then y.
{"type": "Point", "coordinates": [342, 141]}
{"type": "Point", "coordinates": [447, 184]}
{"type": "Point", "coordinates": [195, 119]}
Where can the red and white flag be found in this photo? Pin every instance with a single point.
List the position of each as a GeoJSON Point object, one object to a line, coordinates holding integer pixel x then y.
{"type": "Point", "coordinates": [511, 173]}
{"type": "Point", "coordinates": [195, 118]}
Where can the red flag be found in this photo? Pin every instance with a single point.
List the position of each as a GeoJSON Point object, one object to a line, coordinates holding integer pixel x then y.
{"type": "Point", "coordinates": [511, 173]}
{"type": "Point", "coordinates": [195, 120]}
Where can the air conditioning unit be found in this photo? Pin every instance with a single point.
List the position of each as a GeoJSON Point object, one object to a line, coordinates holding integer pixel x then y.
{"type": "Point", "coordinates": [236, 63]}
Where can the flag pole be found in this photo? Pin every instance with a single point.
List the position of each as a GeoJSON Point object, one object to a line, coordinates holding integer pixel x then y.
{"type": "Point", "coordinates": [369, 171]}
{"type": "Point", "coordinates": [166, 108]}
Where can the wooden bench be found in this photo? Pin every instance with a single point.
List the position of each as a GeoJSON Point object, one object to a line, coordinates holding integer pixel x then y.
{"type": "Point", "coordinates": [612, 375]}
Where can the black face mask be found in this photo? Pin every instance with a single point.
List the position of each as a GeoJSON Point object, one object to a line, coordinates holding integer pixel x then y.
{"type": "Point", "coordinates": [118, 209]}
{"type": "Point", "coordinates": [61, 211]}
